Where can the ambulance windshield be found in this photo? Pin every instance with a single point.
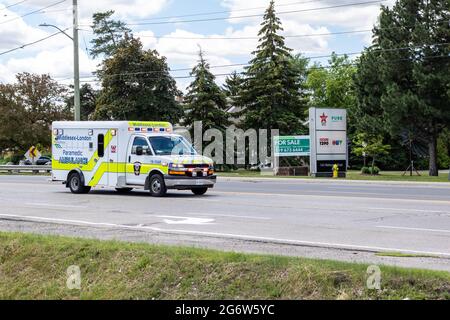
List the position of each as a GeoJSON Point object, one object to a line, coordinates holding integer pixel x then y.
{"type": "Point", "coordinates": [171, 145]}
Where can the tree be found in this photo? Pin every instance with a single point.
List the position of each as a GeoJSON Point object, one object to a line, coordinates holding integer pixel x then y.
{"type": "Point", "coordinates": [408, 66]}
{"type": "Point", "coordinates": [271, 89]}
{"type": "Point", "coordinates": [232, 87]}
{"type": "Point", "coordinates": [332, 87]}
{"type": "Point", "coordinates": [301, 64]}
{"type": "Point", "coordinates": [88, 97]}
{"type": "Point", "coordinates": [108, 34]}
{"type": "Point", "coordinates": [137, 85]}
{"type": "Point", "coordinates": [205, 101]}
{"type": "Point", "coordinates": [27, 110]}
{"type": "Point", "coordinates": [371, 146]}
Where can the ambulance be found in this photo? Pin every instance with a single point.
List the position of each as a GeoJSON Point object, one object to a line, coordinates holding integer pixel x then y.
{"type": "Point", "coordinates": [127, 155]}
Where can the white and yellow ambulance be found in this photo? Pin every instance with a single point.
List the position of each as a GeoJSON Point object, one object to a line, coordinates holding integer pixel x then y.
{"type": "Point", "coordinates": [127, 155]}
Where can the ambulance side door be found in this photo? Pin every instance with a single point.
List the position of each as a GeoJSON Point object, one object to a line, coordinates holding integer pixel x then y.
{"type": "Point", "coordinates": [113, 165]}
{"type": "Point", "coordinates": [138, 153]}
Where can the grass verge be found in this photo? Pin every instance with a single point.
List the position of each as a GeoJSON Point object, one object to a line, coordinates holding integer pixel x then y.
{"type": "Point", "coordinates": [403, 255]}
{"type": "Point", "coordinates": [34, 267]}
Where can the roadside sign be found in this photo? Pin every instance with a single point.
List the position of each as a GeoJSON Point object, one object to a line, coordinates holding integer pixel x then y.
{"type": "Point", "coordinates": [292, 146]}
{"type": "Point", "coordinates": [32, 154]}
{"type": "Point", "coordinates": [328, 131]}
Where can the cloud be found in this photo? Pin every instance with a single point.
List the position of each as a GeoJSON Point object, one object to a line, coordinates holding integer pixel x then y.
{"type": "Point", "coordinates": [51, 55]}
{"type": "Point", "coordinates": [55, 63]}
{"type": "Point", "coordinates": [221, 48]}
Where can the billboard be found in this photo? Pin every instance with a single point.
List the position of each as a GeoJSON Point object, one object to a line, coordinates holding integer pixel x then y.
{"type": "Point", "coordinates": [328, 131]}
{"type": "Point", "coordinates": [331, 142]}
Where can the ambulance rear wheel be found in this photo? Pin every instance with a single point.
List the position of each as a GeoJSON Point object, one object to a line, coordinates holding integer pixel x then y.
{"type": "Point", "coordinates": [124, 190]}
{"type": "Point", "coordinates": [157, 186]}
{"type": "Point", "coordinates": [75, 184]}
{"type": "Point", "coordinates": [199, 191]}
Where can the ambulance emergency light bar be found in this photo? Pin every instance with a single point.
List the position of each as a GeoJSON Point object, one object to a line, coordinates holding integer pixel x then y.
{"type": "Point", "coordinates": [150, 127]}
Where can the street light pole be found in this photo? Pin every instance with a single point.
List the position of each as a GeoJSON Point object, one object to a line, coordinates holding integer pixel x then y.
{"type": "Point", "coordinates": [76, 59]}
{"type": "Point", "coordinates": [76, 63]}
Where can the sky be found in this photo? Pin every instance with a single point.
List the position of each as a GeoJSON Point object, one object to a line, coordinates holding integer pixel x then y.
{"type": "Point", "coordinates": [229, 36]}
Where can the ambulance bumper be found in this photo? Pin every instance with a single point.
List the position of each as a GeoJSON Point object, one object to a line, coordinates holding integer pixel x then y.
{"type": "Point", "coordinates": [183, 183]}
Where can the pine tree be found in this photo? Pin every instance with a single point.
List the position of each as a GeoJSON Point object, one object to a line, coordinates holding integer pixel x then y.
{"type": "Point", "coordinates": [271, 91]}
{"type": "Point", "coordinates": [108, 34]}
{"type": "Point", "coordinates": [205, 101]}
{"type": "Point", "coordinates": [232, 86]}
{"type": "Point", "coordinates": [403, 78]}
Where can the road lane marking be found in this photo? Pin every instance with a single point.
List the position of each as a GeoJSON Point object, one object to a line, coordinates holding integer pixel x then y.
{"type": "Point", "coordinates": [241, 193]}
{"type": "Point", "coordinates": [36, 204]}
{"type": "Point", "coordinates": [414, 229]}
{"type": "Point", "coordinates": [237, 236]}
{"type": "Point", "coordinates": [414, 210]}
{"type": "Point", "coordinates": [232, 216]}
{"type": "Point", "coordinates": [186, 220]}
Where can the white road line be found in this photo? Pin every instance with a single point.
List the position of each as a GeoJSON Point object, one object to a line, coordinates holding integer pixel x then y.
{"type": "Point", "coordinates": [408, 209]}
{"type": "Point", "coordinates": [212, 215]}
{"type": "Point", "coordinates": [36, 204]}
{"type": "Point", "coordinates": [414, 229]}
{"type": "Point", "coordinates": [218, 215]}
{"type": "Point", "coordinates": [309, 196]}
{"type": "Point", "coordinates": [239, 236]}
{"type": "Point", "coordinates": [231, 216]}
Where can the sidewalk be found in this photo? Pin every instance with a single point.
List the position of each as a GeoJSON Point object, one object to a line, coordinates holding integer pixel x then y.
{"type": "Point", "coordinates": [336, 181]}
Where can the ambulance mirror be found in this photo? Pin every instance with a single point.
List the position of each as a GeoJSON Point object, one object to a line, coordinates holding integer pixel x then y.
{"type": "Point", "coordinates": [139, 151]}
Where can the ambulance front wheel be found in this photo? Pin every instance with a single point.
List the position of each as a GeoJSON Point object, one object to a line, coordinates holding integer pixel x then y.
{"type": "Point", "coordinates": [157, 186]}
{"type": "Point", "coordinates": [76, 185]}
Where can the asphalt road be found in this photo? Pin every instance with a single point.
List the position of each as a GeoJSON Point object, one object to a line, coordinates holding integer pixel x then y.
{"type": "Point", "coordinates": [325, 219]}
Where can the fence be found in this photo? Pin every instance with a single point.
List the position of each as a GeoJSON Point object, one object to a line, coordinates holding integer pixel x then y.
{"type": "Point", "coordinates": [23, 168]}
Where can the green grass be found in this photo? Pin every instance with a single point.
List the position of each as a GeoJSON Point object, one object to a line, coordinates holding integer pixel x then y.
{"type": "Point", "coordinates": [403, 255]}
{"type": "Point", "coordinates": [351, 175]}
{"type": "Point", "coordinates": [34, 267]}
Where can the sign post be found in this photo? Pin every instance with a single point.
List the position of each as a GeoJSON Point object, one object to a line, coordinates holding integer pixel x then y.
{"type": "Point", "coordinates": [290, 146]}
{"type": "Point", "coordinates": [328, 131]}
{"type": "Point", "coordinates": [32, 154]}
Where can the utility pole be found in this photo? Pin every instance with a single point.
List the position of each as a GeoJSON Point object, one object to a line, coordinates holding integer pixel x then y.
{"type": "Point", "coordinates": [76, 63]}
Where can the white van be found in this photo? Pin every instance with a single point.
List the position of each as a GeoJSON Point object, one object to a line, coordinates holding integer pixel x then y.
{"type": "Point", "coordinates": [127, 155]}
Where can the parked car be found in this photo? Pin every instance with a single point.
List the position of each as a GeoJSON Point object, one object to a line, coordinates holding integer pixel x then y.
{"type": "Point", "coordinates": [44, 160]}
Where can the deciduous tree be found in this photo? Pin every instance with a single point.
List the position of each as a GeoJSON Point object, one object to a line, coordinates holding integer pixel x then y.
{"type": "Point", "coordinates": [137, 85]}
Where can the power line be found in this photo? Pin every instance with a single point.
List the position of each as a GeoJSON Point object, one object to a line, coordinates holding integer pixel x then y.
{"type": "Point", "coordinates": [12, 5]}
{"type": "Point", "coordinates": [229, 11]}
{"type": "Point", "coordinates": [31, 43]}
{"type": "Point", "coordinates": [246, 64]}
{"type": "Point", "coordinates": [242, 73]}
{"type": "Point", "coordinates": [33, 12]}
{"type": "Point", "coordinates": [255, 38]}
{"type": "Point", "coordinates": [254, 15]}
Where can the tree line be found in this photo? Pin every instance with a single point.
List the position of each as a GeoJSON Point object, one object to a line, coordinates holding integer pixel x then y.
{"type": "Point", "coordinates": [397, 92]}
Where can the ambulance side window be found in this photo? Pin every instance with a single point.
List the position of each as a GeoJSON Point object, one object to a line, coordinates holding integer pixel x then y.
{"type": "Point", "coordinates": [140, 142]}
{"type": "Point", "coordinates": [101, 145]}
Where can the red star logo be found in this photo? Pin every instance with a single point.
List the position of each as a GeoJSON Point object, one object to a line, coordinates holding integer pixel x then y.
{"type": "Point", "coordinates": [323, 119]}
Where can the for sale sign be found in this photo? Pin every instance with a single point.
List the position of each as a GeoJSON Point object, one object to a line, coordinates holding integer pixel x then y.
{"type": "Point", "coordinates": [292, 146]}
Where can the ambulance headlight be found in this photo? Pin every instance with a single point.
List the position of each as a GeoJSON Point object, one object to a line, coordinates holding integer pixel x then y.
{"type": "Point", "coordinates": [176, 166]}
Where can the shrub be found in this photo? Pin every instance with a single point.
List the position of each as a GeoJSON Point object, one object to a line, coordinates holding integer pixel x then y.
{"type": "Point", "coordinates": [370, 170]}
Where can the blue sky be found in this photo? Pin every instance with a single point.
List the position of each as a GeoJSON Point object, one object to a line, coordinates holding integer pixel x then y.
{"type": "Point", "coordinates": [54, 56]}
